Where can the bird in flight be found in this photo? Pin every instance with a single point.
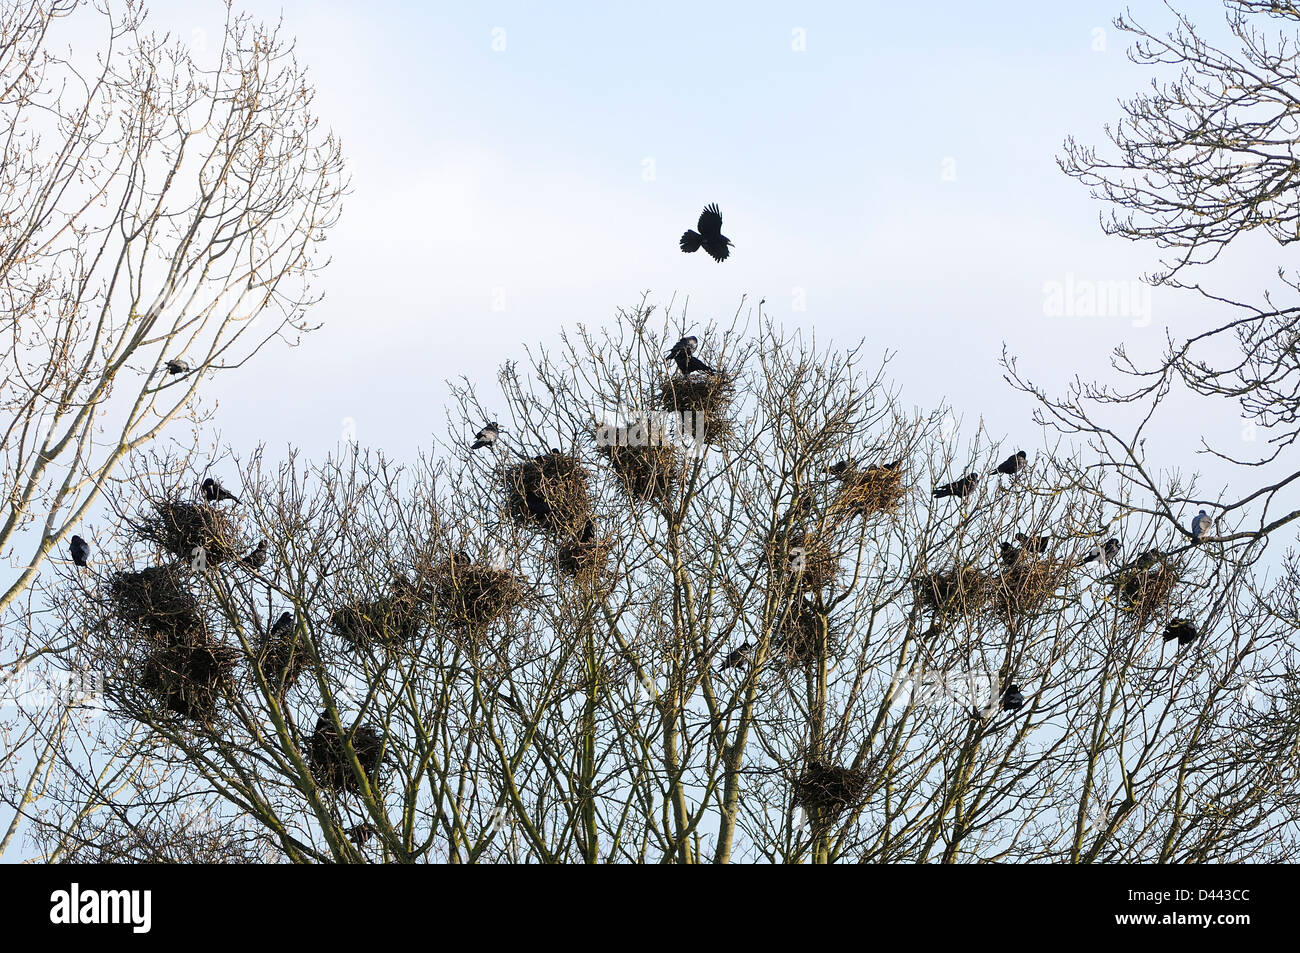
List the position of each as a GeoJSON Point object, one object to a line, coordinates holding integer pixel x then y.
{"type": "Point", "coordinates": [177, 366]}
{"type": "Point", "coordinates": [214, 492]}
{"type": "Point", "coordinates": [1184, 630]}
{"type": "Point", "coordinates": [963, 487]}
{"type": "Point", "coordinates": [709, 236]}
{"type": "Point", "coordinates": [1013, 464]}
{"type": "Point", "coordinates": [1202, 526]}
{"type": "Point", "coordinates": [80, 551]}
{"type": "Point", "coordinates": [487, 437]}
{"type": "Point", "coordinates": [683, 352]}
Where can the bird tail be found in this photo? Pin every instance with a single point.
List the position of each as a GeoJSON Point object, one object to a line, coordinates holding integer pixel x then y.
{"type": "Point", "coordinates": [942, 491]}
{"type": "Point", "coordinates": [695, 364]}
{"type": "Point", "coordinates": [691, 241]}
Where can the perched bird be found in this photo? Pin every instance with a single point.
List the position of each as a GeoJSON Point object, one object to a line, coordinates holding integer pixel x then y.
{"type": "Point", "coordinates": [177, 366]}
{"type": "Point", "coordinates": [887, 466]}
{"type": "Point", "coordinates": [214, 492]}
{"type": "Point", "coordinates": [80, 551]}
{"type": "Point", "coordinates": [1106, 552]}
{"type": "Point", "coordinates": [1033, 544]}
{"type": "Point", "coordinates": [460, 559]}
{"type": "Point", "coordinates": [1013, 464]}
{"type": "Point", "coordinates": [256, 557]}
{"type": "Point", "coordinates": [709, 235]}
{"type": "Point", "coordinates": [737, 658]}
{"type": "Point", "coordinates": [963, 487]}
{"type": "Point", "coordinates": [283, 625]}
{"type": "Point", "coordinates": [1012, 699]}
{"type": "Point", "coordinates": [1147, 559]}
{"type": "Point", "coordinates": [844, 469]}
{"type": "Point", "coordinates": [487, 437]}
{"type": "Point", "coordinates": [1009, 554]}
{"type": "Point", "coordinates": [1202, 526]}
{"type": "Point", "coordinates": [683, 352]}
{"type": "Point", "coordinates": [1184, 630]}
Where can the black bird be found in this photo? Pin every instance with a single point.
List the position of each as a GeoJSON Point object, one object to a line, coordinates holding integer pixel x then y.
{"type": "Point", "coordinates": [1184, 630]}
{"type": "Point", "coordinates": [683, 352]}
{"type": "Point", "coordinates": [1147, 559]}
{"type": "Point", "coordinates": [737, 658]}
{"type": "Point", "coordinates": [80, 551]}
{"type": "Point", "coordinates": [1111, 548]}
{"type": "Point", "coordinates": [283, 625]}
{"type": "Point", "coordinates": [1033, 544]}
{"type": "Point", "coordinates": [709, 235]}
{"type": "Point", "coordinates": [255, 558]}
{"type": "Point", "coordinates": [1013, 464]}
{"type": "Point", "coordinates": [487, 437]}
{"type": "Point", "coordinates": [844, 469]}
{"type": "Point", "coordinates": [1009, 554]}
{"type": "Point", "coordinates": [963, 487]}
{"type": "Point", "coordinates": [1012, 699]}
{"type": "Point", "coordinates": [460, 559]}
{"type": "Point", "coordinates": [177, 366]}
{"type": "Point", "coordinates": [214, 492]}
{"type": "Point", "coordinates": [888, 466]}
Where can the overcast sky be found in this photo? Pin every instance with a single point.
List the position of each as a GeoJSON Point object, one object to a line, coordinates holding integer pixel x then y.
{"type": "Point", "coordinates": [886, 171]}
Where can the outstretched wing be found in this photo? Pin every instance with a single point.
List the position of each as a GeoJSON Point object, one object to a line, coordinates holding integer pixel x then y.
{"type": "Point", "coordinates": [710, 224]}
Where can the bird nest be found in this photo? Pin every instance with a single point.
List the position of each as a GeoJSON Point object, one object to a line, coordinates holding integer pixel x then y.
{"type": "Point", "coordinates": [330, 763]}
{"type": "Point", "coordinates": [393, 619]}
{"type": "Point", "coordinates": [807, 556]}
{"type": "Point", "coordinates": [471, 597]}
{"type": "Point", "coordinates": [154, 601]}
{"type": "Point", "coordinates": [180, 528]}
{"type": "Point", "coordinates": [1144, 592]}
{"type": "Point", "coordinates": [586, 560]}
{"type": "Point", "coordinates": [283, 659]}
{"type": "Point", "coordinates": [801, 638]}
{"type": "Point", "coordinates": [701, 403]}
{"type": "Point", "coordinates": [550, 490]}
{"type": "Point", "coordinates": [646, 472]}
{"type": "Point", "coordinates": [1027, 585]}
{"type": "Point", "coordinates": [870, 492]}
{"type": "Point", "coordinates": [827, 790]}
{"type": "Point", "coordinates": [190, 674]}
{"type": "Point", "coordinates": [963, 590]}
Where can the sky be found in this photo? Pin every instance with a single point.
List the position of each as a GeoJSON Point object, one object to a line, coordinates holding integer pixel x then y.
{"type": "Point", "coordinates": [886, 172]}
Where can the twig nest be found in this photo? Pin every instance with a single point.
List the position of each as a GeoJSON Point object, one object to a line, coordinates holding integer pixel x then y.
{"type": "Point", "coordinates": [961, 590]}
{"type": "Point", "coordinates": [803, 635]}
{"type": "Point", "coordinates": [471, 596]}
{"type": "Point", "coordinates": [392, 619]}
{"type": "Point", "coordinates": [330, 764]}
{"type": "Point", "coordinates": [806, 556]}
{"type": "Point", "coordinates": [868, 492]}
{"type": "Point", "coordinates": [154, 601]}
{"type": "Point", "coordinates": [190, 674]}
{"type": "Point", "coordinates": [550, 491]}
{"type": "Point", "coordinates": [827, 790]}
{"type": "Point", "coordinates": [1145, 592]}
{"type": "Point", "coordinates": [283, 658]}
{"type": "Point", "coordinates": [646, 466]}
{"type": "Point", "coordinates": [702, 403]}
{"type": "Point", "coordinates": [586, 558]}
{"type": "Point", "coordinates": [180, 528]}
{"type": "Point", "coordinates": [1027, 585]}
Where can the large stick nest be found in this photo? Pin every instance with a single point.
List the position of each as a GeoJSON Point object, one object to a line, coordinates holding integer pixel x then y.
{"type": "Point", "coordinates": [395, 618]}
{"type": "Point", "coordinates": [868, 492]}
{"type": "Point", "coordinates": [329, 761]}
{"type": "Point", "coordinates": [808, 557]}
{"type": "Point", "coordinates": [551, 491]}
{"type": "Point", "coordinates": [646, 469]}
{"type": "Point", "coordinates": [962, 590]}
{"type": "Point", "coordinates": [283, 658]}
{"type": "Point", "coordinates": [586, 559]}
{"type": "Point", "coordinates": [470, 597]}
{"type": "Point", "coordinates": [826, 790]}
{"type": "Point", "coordinates": [190, 674]}
{"type": "Point", "coordinates": [180, 527]}
{"type": "Point", "coordinates": [1145, 592]}
{"type": "Point", "coordinates": [1027, 585]}
{"type": "Point", "coordinates": [802, 637]}
{"type": "Point", "coordinates": [702, 403]}
{"type": "Point", "coordinates": [154, 601]}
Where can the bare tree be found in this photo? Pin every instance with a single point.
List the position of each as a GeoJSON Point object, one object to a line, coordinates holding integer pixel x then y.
{"type": "Point", "coordinates": [671, 619]}
{"type": "Point", "coordinates": [159, 221]}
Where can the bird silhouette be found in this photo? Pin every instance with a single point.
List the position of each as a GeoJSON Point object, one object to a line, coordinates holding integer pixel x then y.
{"type": "Point", "coordinates": [1009, 554]}
{"type": "Point", "coordinates": [709, 236]}
{"type": "Point", "coordinates": [487, 437]}
{"type": "Point", "coordinates": [737, 658]}
{"type": "Point", "coordinates": [886, 466]}
{"type": "Point", "coordinates": [1147, 560]}
{"type": "Point", "coordinates": [1013, 464]}
{"type": "Point", "coordinates": [1184, 630]}
{"type": "Point", "coordinates": [80, 551]}
{"type": "Point", "coordinates": [255, 558]}
{"type": "Point", "coordinates": [214, 492]}
{"type": "Point", "coordinates": [962, 488]}
{"type": "Point", "coordinates": [1110, 549]}
{"type": "Point", "coordinates": [283, 625]}
{"type": "Point", "coordinates": [844, 469]}
{"type": "Point", "coordinates": [1033, 544]}
{"type": "Point", "coordinates": [1201, 526]}
{"type": "Point", "coordinates": [683, 352]}
{"type": "Point", "coordinates": [177, 366]}
{"type": "Point", "coordinates": [1012, 699]}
